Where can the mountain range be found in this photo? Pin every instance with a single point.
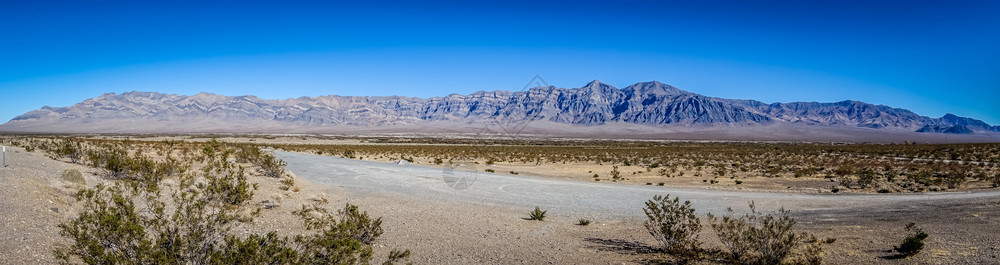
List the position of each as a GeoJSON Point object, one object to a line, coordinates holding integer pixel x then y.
{"type": "Point", "coordinates": [596, 105]}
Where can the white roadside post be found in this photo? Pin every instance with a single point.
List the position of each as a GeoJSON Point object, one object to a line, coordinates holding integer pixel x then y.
{"type": "Point", "coordinates": [4, 156]}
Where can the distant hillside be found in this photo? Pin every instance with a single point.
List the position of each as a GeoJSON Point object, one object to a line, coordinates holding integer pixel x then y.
{"type": "Point", "coordinates": [594, 105]}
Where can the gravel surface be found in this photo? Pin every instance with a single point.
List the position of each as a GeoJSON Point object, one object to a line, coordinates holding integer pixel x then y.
{"type": "Point", "coordinates": [459, 217]}
{"type": "Point", "coordinates": [606, 200]}
{"type": "Point", "coordinates": [462, 217]}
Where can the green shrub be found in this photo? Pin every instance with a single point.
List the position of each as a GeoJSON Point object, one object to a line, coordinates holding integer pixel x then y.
{"type": "Point", "coordinates": [583, 222]}
{"type": "Point", "coordinates": [537, 214]}
{"type": "Point", "coordinates": [954, 179]}
{"type": "Point", "coordinates": [757, 238]}
{"type": "Point", "coordinates": [271, 166]}
{"type": "Point", "coordinates": [70, 149]}
{"type": "Point", "coordinates": [674, 225]}
{"type": "Point", "coordinates": [866, 178]}
{"type": "Point", "coordinates": [913, 243]}
{"type": "Point", "coordinates": [193, 222]}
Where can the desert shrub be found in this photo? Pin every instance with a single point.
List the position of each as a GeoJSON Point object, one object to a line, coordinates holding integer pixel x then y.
{"type": "Point", "coordinates": [537, 214]}
{"type": "Point", "coordinates": [192, 222]}
{"type": "Point", "coordinates": [812, 253]}
{"type": "Point", "coordinates": [996, 180]}
{"type": "Point", "coordinates": [117, 164]}
{"type": "Point", "coordinates": [890, 175]}
{"type": "Point", "coordinates": [866, 178]}
{"type": "Point", "coordinates": [615, 174]}
{"type": "Point", "coordinates": [923, 177]}
{"type": "Point", "coordinates": [846, 181]}
{"type": "Point", "coordinates": [913, 243]}
{"type": "Point", "coordinates": [583, 222]}
{"type": "Point", "coordinates": [287, 183]}
{"type": "Point", "coordinates": [674, 225]}
{"type": "Point", "coordinates": [271, 166]}
{"type": "Point", "coordinates": [757, 238]}
{"type": "Point", "coordinates": [247, 154]}
{"type": "Point", "coordinates": [110, 159]}
{"type": "Point", "coordinates": [130, 223]}
{"type": "Point", "coordinates": [70, 149]}
{"type": "Point", "coordinates": [954, 179]}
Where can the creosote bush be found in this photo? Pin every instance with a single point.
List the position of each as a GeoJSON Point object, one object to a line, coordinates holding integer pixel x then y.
{"type": "Point", "coordinates": [674, 225]}
{"type": "Point", "coordinates": [757, 238]}
{"type": "Point", "coordinates": [913, 243]}
{"type": "Point", "coordinates": [140, 220]}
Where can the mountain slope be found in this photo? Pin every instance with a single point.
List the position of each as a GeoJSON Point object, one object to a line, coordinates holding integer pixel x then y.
{"type": "Point", "coordinates": [595, 104]}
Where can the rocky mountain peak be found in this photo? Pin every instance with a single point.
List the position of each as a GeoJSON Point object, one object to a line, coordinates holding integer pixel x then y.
{"type": "Point", "coordinates": [594, 104]}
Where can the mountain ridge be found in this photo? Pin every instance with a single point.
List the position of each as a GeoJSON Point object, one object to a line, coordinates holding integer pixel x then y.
{"type": "Point", "coordinates": [594, 104]}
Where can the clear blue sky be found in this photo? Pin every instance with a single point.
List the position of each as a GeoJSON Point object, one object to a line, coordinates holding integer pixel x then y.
{"type": "Point", "coordinates": [929, 57]}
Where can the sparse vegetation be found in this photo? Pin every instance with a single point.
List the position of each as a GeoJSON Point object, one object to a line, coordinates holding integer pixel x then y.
{"type": "Point", "coordinates": [537, 214]}
{"type": "Point", "coordinates": [913, 243]}
{"type": "Point", "coordinates": [139, 219]}
{"type": "Point", "coordinates": [863, 167]}
{"type": "Point", "coordinates": [583, 222]}
{"type": "Point", "coordinates": [757, 238]}
{"type": "Point", "coordinates": [674, 225]}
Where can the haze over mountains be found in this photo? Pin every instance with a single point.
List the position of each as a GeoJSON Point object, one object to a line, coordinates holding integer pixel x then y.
{"type": "Point", "coordinates": [595, 107]}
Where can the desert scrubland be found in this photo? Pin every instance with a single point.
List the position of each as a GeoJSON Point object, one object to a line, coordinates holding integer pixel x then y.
{"type": "Point", "coordinates": [215, 200]}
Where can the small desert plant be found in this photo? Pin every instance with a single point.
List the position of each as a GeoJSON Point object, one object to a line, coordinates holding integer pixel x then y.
{"type": "Point", "coordinates": [537, 214]}
{"type": "Point", "coordinates": [913, 243]}
{"type": "Point", "coordinates": [513, 172]}
{"type": "Point", "coordinates": [955, 179]}
{"type": "Point", "coordinates": [757, 238]}
{"type": "Point", "coordinates": [287, 183]}
{"type": "Point", "coordinates": [270, 165]}
{"type": "Point", "coordinates": [583, 222]}
{"type": "Point", "coordinates": [490, 170]}
{"type": "Point", "coordinates": [70, 149]}
{"type": "Point", "coordinates": [674, 225]}
{"type": "Point", "coordinates": [615, 174]}
{"type": "Point", "coordinates": [866, 178]}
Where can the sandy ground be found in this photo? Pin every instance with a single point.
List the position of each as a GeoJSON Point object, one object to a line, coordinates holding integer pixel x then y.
{"type": "Point", "coordinates": [446, 228]}
{"type": "Point", "coordinates": [485, 219]}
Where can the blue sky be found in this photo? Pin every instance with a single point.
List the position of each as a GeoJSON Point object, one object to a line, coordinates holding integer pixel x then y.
{"type": "Point", "coordinates": [932, 57]}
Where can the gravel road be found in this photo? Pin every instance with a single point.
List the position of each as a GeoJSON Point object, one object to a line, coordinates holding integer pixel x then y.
{"type": "Point", "coordinates": [600, 200]}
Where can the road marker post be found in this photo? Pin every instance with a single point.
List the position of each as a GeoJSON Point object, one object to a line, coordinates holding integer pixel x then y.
{"type": "Point", "coordinates": [4, 156]}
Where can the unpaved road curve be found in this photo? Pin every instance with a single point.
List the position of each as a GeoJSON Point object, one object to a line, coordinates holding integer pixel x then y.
{"type": "Point", "coordinates": [565, 197]}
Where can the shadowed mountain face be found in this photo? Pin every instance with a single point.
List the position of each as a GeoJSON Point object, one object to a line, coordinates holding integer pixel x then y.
{"type": "Point", "coordinates": [647, 103]}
